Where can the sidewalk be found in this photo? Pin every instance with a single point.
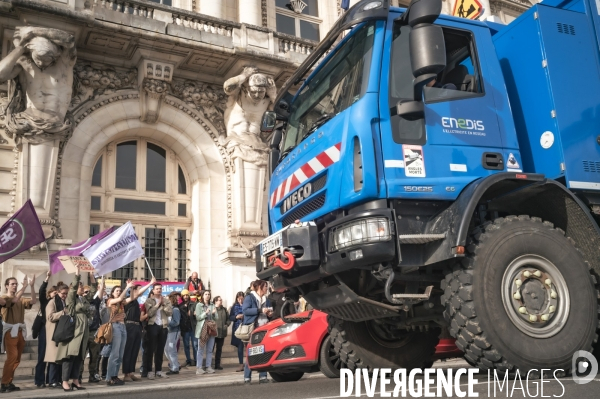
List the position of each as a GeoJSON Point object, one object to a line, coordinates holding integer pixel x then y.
{"type": "Point", "coordinates": [186, 378]}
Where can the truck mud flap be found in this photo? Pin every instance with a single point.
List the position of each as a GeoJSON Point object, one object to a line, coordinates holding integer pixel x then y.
{"type": "Point", "coordinates": [341, 302]}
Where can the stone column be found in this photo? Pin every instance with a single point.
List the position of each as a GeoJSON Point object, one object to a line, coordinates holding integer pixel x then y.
{"type": "Point", "coordinates": [250, 12]}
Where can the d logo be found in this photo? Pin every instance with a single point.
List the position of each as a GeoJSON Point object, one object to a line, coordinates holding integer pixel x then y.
{"type": "Point", "coordinates": [581, 366]}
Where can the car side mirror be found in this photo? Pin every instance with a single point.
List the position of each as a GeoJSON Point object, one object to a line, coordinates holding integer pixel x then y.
{"type": "Point", "coordinates": [269, 120]}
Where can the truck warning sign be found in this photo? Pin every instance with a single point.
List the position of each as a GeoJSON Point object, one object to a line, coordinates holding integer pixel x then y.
{"type": "Point", "coordinates": [470, 9]}
{"type": "Point", "coordinates": [414, 164]}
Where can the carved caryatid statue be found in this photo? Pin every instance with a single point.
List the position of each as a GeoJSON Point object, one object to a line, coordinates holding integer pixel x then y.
{"type": "Point", "coordinates": [250, 95]}
{"type": "Point", "coordinates": [39, 72]}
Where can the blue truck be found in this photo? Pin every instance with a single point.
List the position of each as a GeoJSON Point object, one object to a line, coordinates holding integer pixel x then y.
{"type": "Point", "coordinates": [432, 175]}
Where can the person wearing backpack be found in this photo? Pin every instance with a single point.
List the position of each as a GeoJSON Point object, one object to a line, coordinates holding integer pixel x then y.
{"type": "Point", "coordinates": [173, 336]}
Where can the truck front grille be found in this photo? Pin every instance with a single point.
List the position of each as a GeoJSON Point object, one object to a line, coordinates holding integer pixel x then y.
{"type": "Point", "coordinates": [308, 207]}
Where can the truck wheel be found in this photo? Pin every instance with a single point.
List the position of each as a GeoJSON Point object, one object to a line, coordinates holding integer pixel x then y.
{"type": "Point", "coordinates": [330, 362]}
{"type": "Point", "coordinates": [286, 377]}
{"type": "Point", "coordinates": [367, 345]}
{"type": "Point", "coordinates": [522, 298]}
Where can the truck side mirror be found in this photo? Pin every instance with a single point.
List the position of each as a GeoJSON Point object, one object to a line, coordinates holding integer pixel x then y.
{"type": "Point", "coordinates": [269, 120]}
{"type": "Point", "coordinates": [274, 148]}
{"type": "Point", "coordinates": [427, 51]}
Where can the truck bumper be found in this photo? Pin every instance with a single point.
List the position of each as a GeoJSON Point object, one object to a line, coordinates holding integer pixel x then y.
{"type": "Point", "coordinates": [321, 256]}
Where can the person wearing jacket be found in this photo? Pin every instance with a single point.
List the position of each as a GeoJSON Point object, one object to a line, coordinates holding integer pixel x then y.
{"type": "Point", "coordinates": [237, 317]}
{"type": "Point", "coordinates": [173, 336]}
{"type": "Point", "coordinates": [187, 326]}
{"type": "Point", "coordinates": [54, 309]}
{"type": "Point", "coordinates": [93, 346]}
{"type": "Point", "coordinates": [223, 322]}
{"type": "Point", "coordinates": [159, 310]}
{"type": "Point", "coordinates": [41, 377]}
{"type": "Point", "coordinates": [71, 354]}
{"type": "Point", "coordinates": [257, 310]}
{"type": "Point", "coordinates": [205, 311]}
{"type": "Point", "coordinates": [195, 287]}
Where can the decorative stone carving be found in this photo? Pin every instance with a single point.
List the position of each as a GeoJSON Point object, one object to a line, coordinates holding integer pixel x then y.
{"type": "Point", "coordinates": [208, 99]}
{"type": "Point", "coordinates": [91, 83]}
{"type": "Point", "coordinates": [156, 82]}
{"type": "Point", "coordinates": [250, 95]}
{"type": "Point", "coordinates": [39, 71]}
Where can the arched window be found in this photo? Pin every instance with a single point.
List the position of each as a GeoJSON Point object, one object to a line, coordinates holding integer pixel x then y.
{"type": "Point", "coordinates": [144, 182]}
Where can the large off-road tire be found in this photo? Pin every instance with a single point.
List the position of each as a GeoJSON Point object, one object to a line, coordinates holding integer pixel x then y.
{"type": "Point", "coordinates": [501, 285]}
{"type": "Point", "coordinates": [361, 345]}
{"type": "Point", "coordinates": [330, 362]}
{"type": "Point", "coordinates": [286, 377]}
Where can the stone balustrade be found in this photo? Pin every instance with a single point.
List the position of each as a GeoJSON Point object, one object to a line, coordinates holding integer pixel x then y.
{"type": "Point", "coordinates": [137, 8]}
{"type": "Point", "coordinates": [202, 24]}
{"type": "Point", "coordinates": [293, 44]}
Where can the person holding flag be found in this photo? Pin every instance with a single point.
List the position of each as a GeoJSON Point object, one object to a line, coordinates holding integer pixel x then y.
{"type": "Point", "coordinates": [13, 327]}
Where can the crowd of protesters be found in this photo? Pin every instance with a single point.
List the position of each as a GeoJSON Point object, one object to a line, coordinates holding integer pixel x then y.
{"type": "Point", "coordinates": [155, 327]}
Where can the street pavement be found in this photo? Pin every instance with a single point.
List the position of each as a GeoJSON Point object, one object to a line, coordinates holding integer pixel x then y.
{"type": "Point", "coordinates": [229, 384]}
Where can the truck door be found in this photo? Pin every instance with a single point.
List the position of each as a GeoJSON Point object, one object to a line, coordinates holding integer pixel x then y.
{"type": "Point", "coordinates": [459, 139]}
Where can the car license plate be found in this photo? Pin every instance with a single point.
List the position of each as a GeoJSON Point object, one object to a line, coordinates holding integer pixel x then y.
{"type": "Point", "coordinates": [271, 243]}
{"type": "Point", "coordinates": [256, 350]}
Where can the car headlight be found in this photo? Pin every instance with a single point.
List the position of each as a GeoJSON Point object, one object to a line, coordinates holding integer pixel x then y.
{"type": "Point", "coordinates": [285, 329]}
{"type": "Point", "coordinates": [359, 232]}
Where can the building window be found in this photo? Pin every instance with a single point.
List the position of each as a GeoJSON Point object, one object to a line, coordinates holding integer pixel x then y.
{"type": "Point", "coordinates": [143, 182]}
{"type": "Point", "coordinates": [154, 250]}
{"type": "Point", "coordinates": [181, 255]}
{"type": "Point", "coordinates": [299, 21]}
{"type": "Point", "coordinates": [94, 229]}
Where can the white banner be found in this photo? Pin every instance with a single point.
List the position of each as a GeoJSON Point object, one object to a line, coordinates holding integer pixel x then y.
{"type": "Point", "coordinates": [115, 250]}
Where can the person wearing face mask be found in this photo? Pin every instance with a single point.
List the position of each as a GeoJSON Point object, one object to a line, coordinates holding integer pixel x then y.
{"type": "Point", "coordinates": [71, 354]}
{"type": "Point", "coordinates": [54, 309]}
{"type": "Point", "coordinates": [257, 310]}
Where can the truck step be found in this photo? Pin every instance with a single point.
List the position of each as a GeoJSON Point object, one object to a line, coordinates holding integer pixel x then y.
{"type": "Point", "coordinates": [420, 238]}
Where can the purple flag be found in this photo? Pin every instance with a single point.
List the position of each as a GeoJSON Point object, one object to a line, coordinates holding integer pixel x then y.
{"type": "Point", "coordinates": [22, 231]}
{"type": "Point", "coordinates": [76, 250]}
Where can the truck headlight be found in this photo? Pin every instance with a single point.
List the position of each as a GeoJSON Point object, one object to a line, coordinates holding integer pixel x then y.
{"type": "Point", "coordinates": [359, 232]}
{"type": "Point", "coordinates": [285, 329]}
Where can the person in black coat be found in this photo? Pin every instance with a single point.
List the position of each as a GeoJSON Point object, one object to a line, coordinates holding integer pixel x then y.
{"type": "Point", "coordinates": [41, 375]}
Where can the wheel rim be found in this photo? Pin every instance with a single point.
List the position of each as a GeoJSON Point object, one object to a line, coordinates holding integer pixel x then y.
{"type": "Point", "coordinates": [334, 359]}
{"type": "Point", "coordinates": [535, 296]}
{"type": "Point", "coordinates": [381, 333]}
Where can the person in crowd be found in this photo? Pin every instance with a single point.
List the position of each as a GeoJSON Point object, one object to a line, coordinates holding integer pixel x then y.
{"type": "Point", "coordinates": [71, 354]}
{"type": "Point", "coordinates": [144, 321]}
{"type": "Point", "coordinates": [41, 377]}
{"type": "Point", "coordinates": [13, 322]}
{"type": "Point", "coordinates": [279, 302]}
{"type": "Point", "coordinates": [105, 349]}
{"type": "Point", "coordinates": [55, 308]}
{"type": "Point", "coordinates": [93, 346]}
{"type": "Point", "coordinates": [173, 336]}
{"type": "Point", "coordinates": [133, 325]}
{"type": "Point", "coordinates": [257, 310]}
{"type": "Point", "coordinates": [237, 316]}
{"type": "Point", "coordinates": [223, 322]}
{"type": "Point", "coordinates": [119, 334]}
{"type": "Point", "coordinates": [186, 325]}
{"type": "Point", "coordinates": [194, 286]}
{"type": "Point", "coordinates": [159, 310]}
{"type": "Point", "coordinates": [205, 311]}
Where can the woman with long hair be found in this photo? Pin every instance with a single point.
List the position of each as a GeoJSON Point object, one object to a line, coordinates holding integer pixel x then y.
{"type": "Point", "coordinates": [54, 309]}
{"type": "Point", "coordinates": [257, 310]}
{"type": "Point", "coordinates": [133, 326]}
{"type": "Point", "coordinates": [119, 334]}
{"type": "Point", "coordinates": [237, 317]}
{"type": "Point", "coordinates": [71, 354]}
{"type": "Point", "coordinates": [204, 311]}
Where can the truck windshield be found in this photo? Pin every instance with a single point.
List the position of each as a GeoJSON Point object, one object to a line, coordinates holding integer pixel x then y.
{"type": "Point", "coordinates": [336, 86]}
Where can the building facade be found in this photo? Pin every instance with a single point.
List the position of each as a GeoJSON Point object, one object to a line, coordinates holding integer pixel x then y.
{"type": "Point", "coordinates": [139, 114]}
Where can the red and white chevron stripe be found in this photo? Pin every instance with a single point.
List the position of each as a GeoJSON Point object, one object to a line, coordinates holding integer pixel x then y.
{"type": "Point", "coordinates": [305, 172]}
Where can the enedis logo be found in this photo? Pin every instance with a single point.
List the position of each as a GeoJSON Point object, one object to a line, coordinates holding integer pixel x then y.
{"type": "Point", "coordinates": [463, 126]}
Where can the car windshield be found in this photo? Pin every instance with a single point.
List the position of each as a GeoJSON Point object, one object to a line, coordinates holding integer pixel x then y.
{"type": "Point", "coordinates": [336, 86]}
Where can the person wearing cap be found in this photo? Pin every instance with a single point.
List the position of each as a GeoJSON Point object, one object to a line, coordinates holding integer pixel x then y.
{"type": "Point", "coordinates": [186, 325]}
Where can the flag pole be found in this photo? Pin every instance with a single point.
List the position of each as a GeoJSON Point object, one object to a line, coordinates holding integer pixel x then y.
{"type": "Point", "coordinates": [148, 264]}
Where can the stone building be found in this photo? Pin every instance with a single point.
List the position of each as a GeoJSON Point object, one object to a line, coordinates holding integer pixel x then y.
{"type": "Point", "coordinates": [124, 117]}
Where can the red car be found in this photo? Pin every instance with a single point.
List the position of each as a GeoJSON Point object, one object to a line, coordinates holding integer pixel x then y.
{"type": "Point", "coordinates": [302, 345]}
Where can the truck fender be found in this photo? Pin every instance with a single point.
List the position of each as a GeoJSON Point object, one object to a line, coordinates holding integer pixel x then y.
{"type": "Point", "coordinates": [522, 194]}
